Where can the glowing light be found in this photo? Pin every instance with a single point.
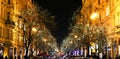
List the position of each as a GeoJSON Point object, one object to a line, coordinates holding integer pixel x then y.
{"type": "Point", "coordinates": [119, 49]}
{"type": "Point", "coordinates": [44, 39]}
{"type": "Point", "coordinates": [71, 42]}
{"type": "Point", "coordinates": [56, 50]}
{"type": "Point", "coordinates": [34, 29]}
{"type": "Point", "coordinates": [94, 15]}
{"type": "Point", "coordinates": [75, 36]}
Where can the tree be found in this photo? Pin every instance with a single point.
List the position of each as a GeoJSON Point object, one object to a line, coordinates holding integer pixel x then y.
{"type": "Point", "coordinates": [48, 26]}
{"type": "Point", "coordinates": [93, 34]}
{"type": "Point", "coordinates": [30, 19]}
{"type": "Point", "coordinates": [101, 38]}
{"type": "Point", "coordinates": [34, 16]}
{"type": "Point", "coordinates": [48, 19]}
{"type": "Point", "coordinates": [87, 33]}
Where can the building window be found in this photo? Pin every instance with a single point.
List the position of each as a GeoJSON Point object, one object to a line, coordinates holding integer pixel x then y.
{"type": "Point", "coordinates": [98, 2]}
{"type": "Point", "coordinates": [115, 21]}
{"type": "Point", "coordinates": [4, 33]}
{"type": "Point", "coordinates": [107, 10]}
{"type": "Point", "coordinates": [8, 1]}
{"type": "Point", "coordinates": [119, 18]}
{"type": "Point", "coordinates": [7, 34]}
{"type": "Point", "coordinates": [11, 34]}
{"type": "Point", "coordinates": [0, 9]}
{"type": "Point", "coordinates": [100, 17]}
{"type": "Point", "coordinates": [119, 41]}
{"type": "Point", "coordinates": [112, 2]}
{"type": "Point", "coordinates": [0, 31]}
{"type": "Point", "coordinates": [106, 0]}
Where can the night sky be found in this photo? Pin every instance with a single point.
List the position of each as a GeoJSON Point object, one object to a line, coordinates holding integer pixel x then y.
{"type": "Point", "coordinates": [63, 11]}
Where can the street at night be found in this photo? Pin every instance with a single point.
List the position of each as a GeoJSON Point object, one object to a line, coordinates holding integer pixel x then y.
{"type": "Point", "coordinates": [59, 29]}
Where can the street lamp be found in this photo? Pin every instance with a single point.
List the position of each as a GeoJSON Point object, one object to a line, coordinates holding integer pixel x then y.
{"type": "Point", "coordinates": [94, 15]}
{"type": "Point", "coordinates": [34, 29]}
{"type": "Point", "coordinates": [45, 40]}
{"type": "Point", "coordinates": [75, 36]}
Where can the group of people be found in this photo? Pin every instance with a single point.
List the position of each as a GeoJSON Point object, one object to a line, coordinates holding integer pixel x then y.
{"type": "Point", "coordinates": [11, 57]}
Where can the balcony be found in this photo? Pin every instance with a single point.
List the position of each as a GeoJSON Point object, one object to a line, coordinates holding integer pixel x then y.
{"type": "Point", "coordinates": [9, 22]}
{"type": "Point", "coordinates": [117, 29]}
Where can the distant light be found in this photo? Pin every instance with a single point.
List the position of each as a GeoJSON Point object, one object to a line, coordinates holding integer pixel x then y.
{"type": "Point", "coordinates": [71, 42]}
{"type": "Point", "coordinates": [56, 50]}
{"type": "Point", "coordinates": [75, 36]}
{"type": "Point", "coordinates": [44, 39]}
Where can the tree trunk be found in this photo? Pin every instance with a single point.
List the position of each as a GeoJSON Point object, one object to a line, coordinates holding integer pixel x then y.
{"type": "Point", "coordinates": [26, 55]}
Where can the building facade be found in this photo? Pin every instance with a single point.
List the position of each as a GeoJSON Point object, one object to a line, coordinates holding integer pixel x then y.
{"type": "Point", "coordinates": [11, 27]}
{"type": "Point", "coordinates": [109, 17]}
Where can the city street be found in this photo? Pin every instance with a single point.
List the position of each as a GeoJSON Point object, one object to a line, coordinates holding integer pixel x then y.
{"type": "Point", "coordinates": [59, 29]}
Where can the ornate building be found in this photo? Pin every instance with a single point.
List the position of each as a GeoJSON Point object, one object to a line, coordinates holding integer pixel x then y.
{"type": "Point", "coordinates": [108, 15]}
{"type": "Point", "coordinates": [11, 27]}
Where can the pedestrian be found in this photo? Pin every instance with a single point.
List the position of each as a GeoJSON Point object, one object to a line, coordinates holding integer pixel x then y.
{"type": "Point", "coordinates": [117, 57]}
{"type": "Point", "coordinates": [45, 55]}
{"type": "Point", "coordinates": [19, 57]}
{"type": "Point", "coordinates": [1, 57]}
{"type": "Point", "coordinates": [11, 57]}
{"type": "Point", "coordinates": [104, 56]}
{"type": "Point", "coordinates": [6, 57]}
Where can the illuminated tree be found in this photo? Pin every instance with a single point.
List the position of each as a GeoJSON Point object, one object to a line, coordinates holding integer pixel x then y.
{"type": "Point", "coordinates": [101, 38]}
{"type": "Point", "coordinates": [87, 33]}
{"type": "Point", "coordinates": [34, 17]}
{"type": "Point", "coordinates": [30, 18]}
{"type": "Point", "coordinates": [47, 19]}
{"type": "Point", "coordinates": [91, 34]}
